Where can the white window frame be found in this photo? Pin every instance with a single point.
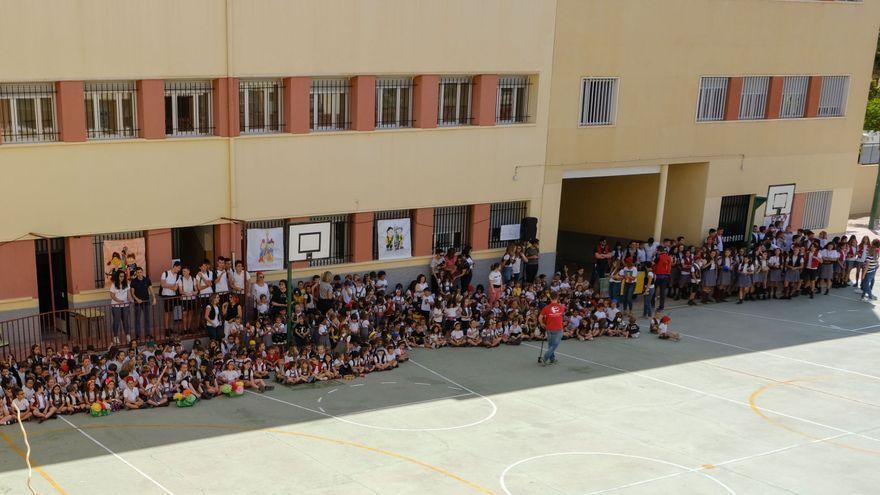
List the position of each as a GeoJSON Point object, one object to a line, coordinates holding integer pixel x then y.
{"type": "Point", "coordinates": [712, 98]}
{"type": "Point", "coordinates": [118, 96]}
{"type": "Point", "coordinates": [400, 86]}
{"type": "Point", "coordinates": [793, 104]}
{"type": "Point", "coordinates": [35, 92]}
{"type": "Point", "coordinates": [753, 99]}
{"type": "Point", "coordinates": [175, 88]}
{"type": "Point", "coordinates": [518, 83]}
{"type": "Point", "coordinates": [265, 85]}
{"type": "Point", "coordinates": [833, 96]}
{"type": "Point", "coordinates": [463, 98]}
{"type": "Point", "coordinates": [606, 106]}
{"type": "Point", "coordinates": [332, 88]}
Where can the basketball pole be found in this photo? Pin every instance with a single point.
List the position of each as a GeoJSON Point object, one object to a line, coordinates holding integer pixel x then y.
{"type": "Point", "coordinates": [289, 288]}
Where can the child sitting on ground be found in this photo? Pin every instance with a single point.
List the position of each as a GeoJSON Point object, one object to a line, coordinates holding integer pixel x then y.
{"type": "Point", "coordinates": [664, 332]}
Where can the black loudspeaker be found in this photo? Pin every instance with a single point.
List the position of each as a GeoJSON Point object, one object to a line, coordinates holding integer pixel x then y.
{"type": "Point", "coordinates": [528, 229]}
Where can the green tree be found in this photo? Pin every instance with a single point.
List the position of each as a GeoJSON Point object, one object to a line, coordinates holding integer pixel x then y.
{"type": "Point", "coordinates": [872, 115]}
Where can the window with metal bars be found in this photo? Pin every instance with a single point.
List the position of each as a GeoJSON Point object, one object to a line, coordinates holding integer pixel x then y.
{"type": "Point", "coordinates": [512, 100]}
{"type": "Point", "coordinates": [328, 105]}
{"type": "Point", "coordinates": [339, 240]}
{"type": "Point", "coordinates": [98, 246]}
{"type": "Point", "coordinates": [794, 97]}
{"type": "Point", "coordinates": [753, 100]}
{"type": "Point", "coordinates": [598, 101]}
{"type": "Point", "coordinates": [189, 108]}
{"type": "Point", "coordinates": [27, 113]}
{"type": "Point", "coordinates": [712, 99]}
{"type": "Point", "coordinates": [393, 102]}
{"type": "Point", "coordinates": [454, 106]}
{"type": "Point", "coordinates": [111, 110]}
{"type": "Point", "coordinates": [386, 215]}
{"type": "Point", "coordinates": [832, 101]}
{"type": "Point", "coordinates": [451, 227]}
{"type": "Point", "coordinates": [817, 210]}
{"type": "Point", "coordinates": [504, 214]}
{"type": "Point", "coordinates": [259, 106]}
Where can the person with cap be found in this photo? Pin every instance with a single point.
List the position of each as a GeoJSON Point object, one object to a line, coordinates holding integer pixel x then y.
{"type": "Point", "coordinates": [551, 318]}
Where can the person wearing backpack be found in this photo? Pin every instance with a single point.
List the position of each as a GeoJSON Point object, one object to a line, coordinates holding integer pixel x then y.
{"type": "Point", "coordinates": [168, 291]}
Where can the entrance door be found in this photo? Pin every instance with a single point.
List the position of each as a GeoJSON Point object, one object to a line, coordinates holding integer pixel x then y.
{"type": "Point", "coordinates": [733, 218]}
{"type": "Point", "coordinates": [191, 245]}
{"type": "Point", "coordinates": [51, 277]}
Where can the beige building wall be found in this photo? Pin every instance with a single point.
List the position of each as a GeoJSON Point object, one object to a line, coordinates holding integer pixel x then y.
{"type": "Point", "coordinates": [659, 50]}
{"type": "Point", "coordinates": [863, 189]}
{"type": "Point", "coordinates": [193, 181]}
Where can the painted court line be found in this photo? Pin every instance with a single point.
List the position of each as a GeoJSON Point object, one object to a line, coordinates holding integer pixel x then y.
{"type": "Point", "coordinates": [114, 454]}
{"type": "Point", "coordinates": [752, 315]}
{"type": "Point", "coordinates": [714, 396]}
{"type": "Point", "coordinates": [780, 356]}
{"type": "Point", "coordinates": [407, 404]}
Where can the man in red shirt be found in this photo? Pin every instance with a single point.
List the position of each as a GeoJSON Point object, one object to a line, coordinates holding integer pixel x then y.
{"type": "Point", "coordinates": [551, 318]}
{"type": "Point", "coordinates": [662, 270]}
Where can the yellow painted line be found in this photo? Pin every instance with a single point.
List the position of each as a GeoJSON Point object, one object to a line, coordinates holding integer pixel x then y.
{"type": "Point", "coordinates": [753, 398]}
{"type": "Point", "coordinates": [34, 465]}
{"type": "Point", "coordinates": [309, 436]}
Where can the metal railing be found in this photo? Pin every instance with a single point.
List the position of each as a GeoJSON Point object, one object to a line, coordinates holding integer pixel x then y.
{"type": "Point", "coordinates": [92, 326]}
{"type": "Point", "coordinates": [451, 227]}
{"type": "Point", "coordinates": [111, 110]}
{"type": "Point", "coordinates": [27, 113]}
{"type": "Point", "coordinates": [504, 214]}
{"type": "Point", "coordinates": [869, 154]}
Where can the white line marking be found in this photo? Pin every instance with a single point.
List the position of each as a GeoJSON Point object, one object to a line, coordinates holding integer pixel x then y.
{"type": "Point", "coordinates": [320, 398]}
{"type": "Point", "coordinates": [780, 356]}
{"type": "Point", "coordinates": [453, 388]}
{"type": "Point", "coordinates": [714, 396]}
{"type": "Point", "coordinates": [865, 328]}
{"type": "Point", "coordinates": [752, 315]}
{"type": "Point", "coordinates": [334, 390]}
{"type": "Point", "coordinates": [357, 385]}
{"type": "Point", "coordinates": [407, 404]}
{"type": "Point", "coordinates": [349, 421]}
{"type": "Point", "coordinates": [322, 409]}
{"type": "Point", "coordinates": [686, 469]}
{"type": "Point", "coordinates": [421, 383]}
{"type": "Point", "coordinates": [114, 454]}
{"type": "Point", "coordinates": [388, 383]}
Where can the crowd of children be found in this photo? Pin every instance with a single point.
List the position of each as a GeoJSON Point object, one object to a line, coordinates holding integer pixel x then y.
{"type": "Point", "coordinates": [348, 326]}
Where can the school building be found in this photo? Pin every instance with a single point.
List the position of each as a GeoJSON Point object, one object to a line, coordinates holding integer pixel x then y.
{"type": "Point", "coordinates": [186, 123]}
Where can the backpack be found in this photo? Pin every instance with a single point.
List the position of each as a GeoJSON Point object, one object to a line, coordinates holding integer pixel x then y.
{"type": "Point", "coordinates": [176, 280]}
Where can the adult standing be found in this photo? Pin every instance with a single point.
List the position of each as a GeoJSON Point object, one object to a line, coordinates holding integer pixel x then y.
{"type": "Point", "coordinates": [260, 288]}
{"type": "Point", "coordinates": [144, 300]}
{"type": "Point", "coordinates": [466, 262]}
{"type": "Point", "coordinates": [213, 322]}
{"type": "Point", "coordinates": [533, 257]}
{"type": "Point", "coordinates": [628, 274]}
{"type": "Point", "coordinates": [870, 271]}
{"type": "Point", "coordinates": [120, 296]}
{"type": "Point", "coordinates": [601, 256]}
{"type": "Point", "coordinates": [168, 283]}
{"type": "Point", "coordinates": [551, 318]}
{"type": "Point", "coordinates": [325, 292]}
{"type": "Point", "coordinates": [496, 282]}
{"type": "Point", "coordinates": [238, 281]}
{"type": "Point", "coordinates": [662, 271]}
{"type": "Point", "coordinates": [221, 278]}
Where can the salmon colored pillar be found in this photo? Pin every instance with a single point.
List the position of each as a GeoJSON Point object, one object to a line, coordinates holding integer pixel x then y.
{"type": "Point", "coordinates": [363, 103]}
{"type": "Point", "coordinates": [151, 108]}
{"type": "Point", "coordinates": [221, 106]}
{"type": "Point", "coordinates": [227, 240]}
{"type": "Point", "coordinates": [80, 253]}
{"type": "Point", "coordinates": [479, 227]}
{"type": "Point", "coordinates": [426, 97]}
{"type": "Point", "coordinates": [423, 232]}
{"type": "Point", "coordinates": [483, 98]}
{"type": "Point", "coordinates": [71, 109]}
{"type": "Point", "coordinates": [814, 92]}
{"type": "Point", "coordinates": [734, 93]}
{"type": "Point", "coordinates": [18, 264]}
{"type": "Point", "coordinates": [362, 237]}
{"type": "Point", "coordinates": [774, 97]}
{"type": "Point", "coordinates": [296, 104]}
{"type": "Point", "coordinates": [158, 244]}
{"type": "Point", "coordinates": [798, 206]}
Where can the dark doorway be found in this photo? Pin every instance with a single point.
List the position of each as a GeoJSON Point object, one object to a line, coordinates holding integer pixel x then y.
{"type": "Point", "coordinates": [733, 218]}
{"type": "Point", "coordinates": [57, 282]}
{"type": "Point", "coordinates": [191, 245]}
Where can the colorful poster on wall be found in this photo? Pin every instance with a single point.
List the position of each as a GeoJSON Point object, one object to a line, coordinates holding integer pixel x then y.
{"type": "Point", "coordinates": [394, 239]}
{"type": "Point", "coordinates": [265, 249]}
{"type": "Point", "coordinates": [125, 254]}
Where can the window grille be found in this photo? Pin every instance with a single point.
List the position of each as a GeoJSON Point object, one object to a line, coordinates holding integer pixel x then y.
{"type": "Point", "coordinates": [598, 101]}
{"type": "Point", "coordinates": [339, 240]}
{"type": "Point", "coordinates": [260, 106]}
{"type": "Point", "coordinates": [111, 110]}
{"type": "Point", "coordinates": [512, 102]}
{"type": "Point", "coordinates": [832, 101]}
{"type": "Point", "coordinates": [27, 113]}
{"type": "Point", "coordinates": [394, 103]}
{"type": "Point", "coordinates": [101, 267]}
{"type": "Point", "coordinates": [794, 97]}
{"type": "Point", "coordinates": [504, 214]}
{"type": "Point", "coordinates": [189, 108]}
{"type": "Point", "coordinates": [454, 106]}
{"type": "Point", "coordinates": [328, 103]}
{"type": "Point", "coordinates": [753, 100]}
{"type": "Point", "coordinates": [451, 227]}
{"type": "Point", "coordinates": [817, 210]}
{"type": "Point", "coordinates": [712, 99]}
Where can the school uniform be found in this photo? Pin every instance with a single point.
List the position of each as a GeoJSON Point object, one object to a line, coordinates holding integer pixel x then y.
{"type": "Point", "coordinates": [760, 275]}
{"type": "Point", "coordinates": [710, 275]}
{"type": "Point", "coordinates": [829, 260]}
{"type": "Point", "coordinates": [744, 276]}
{"type": "Point", "coordinates": [726, 271]}
{"type": "Point", "coordinates": [775, 265]}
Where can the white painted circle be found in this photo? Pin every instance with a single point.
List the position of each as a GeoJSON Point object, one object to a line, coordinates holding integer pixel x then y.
{"type": "Point", "coordinates": [685, 470]}
{"type": "Point", "coordinates": [494, 409]}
